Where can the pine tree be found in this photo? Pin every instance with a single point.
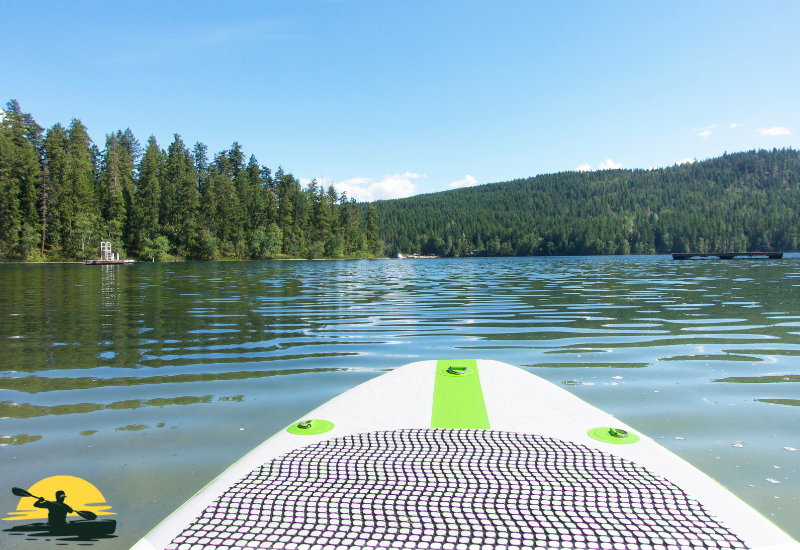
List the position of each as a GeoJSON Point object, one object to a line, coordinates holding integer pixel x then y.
{"type": "Point", "coordinates": [20, 179]}
{"type": "Point", "coordinates": [80, 216]}
{"type": "Point", "coordinates": [113, 195]}
{"type": "Point", "coordinates": [180, 197]}
{"type": "Point", "coordinates": [147, 199]}
{"type": "Point", "coordinates": [56, 159]}
{"type": "Point", "coordinates": [10, 222]}
{"type": "Point", "coordinates": [343, 225]}
{"type": "Point", "coordinates": [371, 229]}
{"type": "Point", "coordinates": [354, 235]}
{"type": "Point", "coordinates": [130, 152]}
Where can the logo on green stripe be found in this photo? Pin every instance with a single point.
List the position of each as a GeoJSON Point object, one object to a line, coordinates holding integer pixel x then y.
{"type": "Point", "coordinates": [458, 397]}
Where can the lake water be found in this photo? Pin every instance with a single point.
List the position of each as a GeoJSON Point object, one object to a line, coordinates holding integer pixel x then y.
{"type": "Point", "coordinates": [148, 380]}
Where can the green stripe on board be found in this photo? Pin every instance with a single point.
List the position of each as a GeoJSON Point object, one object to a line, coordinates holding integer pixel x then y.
{"type": "Point", "coordinates": [458, 398]}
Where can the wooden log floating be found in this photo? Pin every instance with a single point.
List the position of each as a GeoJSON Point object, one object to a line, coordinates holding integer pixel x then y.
{"type": "Point", "coordinates": [727, 255]}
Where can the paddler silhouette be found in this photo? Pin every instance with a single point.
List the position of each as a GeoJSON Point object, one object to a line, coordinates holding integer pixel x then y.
{"type": "Point", "coordinates": [56, 511]}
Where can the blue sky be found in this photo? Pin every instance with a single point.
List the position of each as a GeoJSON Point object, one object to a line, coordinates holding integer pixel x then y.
{"type": "Point", "coordinates": [388, 99]}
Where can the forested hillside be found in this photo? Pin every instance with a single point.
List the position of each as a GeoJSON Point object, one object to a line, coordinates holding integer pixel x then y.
{"type": "Point", "coordinates": [60, 195]}
{"type": "Point", "coordinates": [749, 201]}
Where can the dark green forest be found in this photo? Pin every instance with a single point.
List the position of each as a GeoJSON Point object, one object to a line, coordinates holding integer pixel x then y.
{"type": "Point", "coordinates": [61, 194]}
{"type": "Point", "coordinates": [743, 201]}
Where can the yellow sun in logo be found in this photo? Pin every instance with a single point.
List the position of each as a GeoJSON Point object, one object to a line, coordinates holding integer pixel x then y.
{"type": "Point", "coordinates": [81, 495]}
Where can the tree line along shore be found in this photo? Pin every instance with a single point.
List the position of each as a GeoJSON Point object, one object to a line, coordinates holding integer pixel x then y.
{"type": "Point", "coordinates": [60, 195]}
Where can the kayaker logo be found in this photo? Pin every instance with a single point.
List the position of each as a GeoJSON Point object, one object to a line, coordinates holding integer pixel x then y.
{"type": "Point", "coordinates": [57, 500]}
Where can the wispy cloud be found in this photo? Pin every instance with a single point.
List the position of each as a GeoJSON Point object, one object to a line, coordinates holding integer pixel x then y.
{"type": "Point", "coordinates": [609, 165]}
{"type": "Point", "coordinates": [585, 167]}
{"type": "Point", "coordinates": [686, 161]}
{"type": "Point", "coordinates": [396, 186]}
{"type": "Point", "coordinates": [469, 181]}
{"type": "Point", "coordinates": [734, 125]}
{"type": "Point", "coordinates": [774, 131]}
{"type": "Point", "coordinates": [704, 131]}
{"type": "Point", "coordinates": [252, 30]}
{"type": "Point", "coordinates": [160, 47]}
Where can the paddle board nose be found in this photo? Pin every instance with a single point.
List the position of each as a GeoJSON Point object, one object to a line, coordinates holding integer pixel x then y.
{"type": "Point", "coordinates": [463, 454]}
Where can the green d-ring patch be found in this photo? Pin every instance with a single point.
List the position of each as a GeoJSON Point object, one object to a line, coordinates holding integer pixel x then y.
{"type": "Point", "coordinates": [465, 367]}
{"type": "Point", "coordinates": [310, 427]}
{"type": "Point", "coordinates": [613, 435]}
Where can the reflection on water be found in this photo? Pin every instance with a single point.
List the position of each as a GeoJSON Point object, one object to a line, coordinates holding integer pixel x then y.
{"type": "Point", "coordinates": [95, 360]}
{"type": "Point", "coordinates": [589, 365]}
{"type": "Point", "coordinates": [20, 439]}
{"type": "Point", "coordinates": [790, 402]}
{"type": "Point", "coordinates": [760, 379]}
{"type": "Point", "coordinates": [26, 410]}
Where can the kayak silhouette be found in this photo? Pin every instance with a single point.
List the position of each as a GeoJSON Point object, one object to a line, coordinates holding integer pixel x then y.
{"type": "Point", "coordinates": [88, 527]}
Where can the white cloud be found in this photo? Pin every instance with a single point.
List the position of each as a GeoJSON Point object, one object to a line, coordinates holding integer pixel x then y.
{"type": "Point", "coordinates": [734, 125]}
{"type": "Point", "coordinates": [685, 161]}
{"type": "Point", "coordinates": [609, 165]}
{"type": "Point", "coordinates": [775, 131]}
{"type": "Point", "coordinates": [705, 133]}
{"type": "Point", "coordinates": [395, 186]}
{"type": "Point", "coordinates": [469, 181]}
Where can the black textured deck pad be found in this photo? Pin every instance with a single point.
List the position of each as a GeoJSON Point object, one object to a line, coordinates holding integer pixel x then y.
{"type": "Point", "coordinates": [453, 490]}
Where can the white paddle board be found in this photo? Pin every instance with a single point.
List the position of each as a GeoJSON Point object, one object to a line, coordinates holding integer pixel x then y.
{"type": "Point", "coordinates": [462, 455]}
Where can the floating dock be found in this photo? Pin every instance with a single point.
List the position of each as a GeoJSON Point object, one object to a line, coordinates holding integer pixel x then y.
{"type": "Point", "coordinates": [727, 255]}
{"type": "Point", "coordinates": [107, 257]}
{"type": "Point", "coordinates": [107, 262]}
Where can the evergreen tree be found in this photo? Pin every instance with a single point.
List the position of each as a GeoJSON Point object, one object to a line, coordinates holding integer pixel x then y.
{"type": "Point", "coordinates": [147, 198]}
{"type": "Point", "coordinates": [117, 189]}
{"type": "Point", "coordinates": [130, 152]}
{"type": "Point", "coordinates": [79, 205]}
{"type": "Point", "coordinates": [20, 179]}
{"type": "Point", "coordinates": [56, 146]}
{"type": "Point", "coordinates": [371, 229]}
{"type": "Point", "coordinates": [179, 197]}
